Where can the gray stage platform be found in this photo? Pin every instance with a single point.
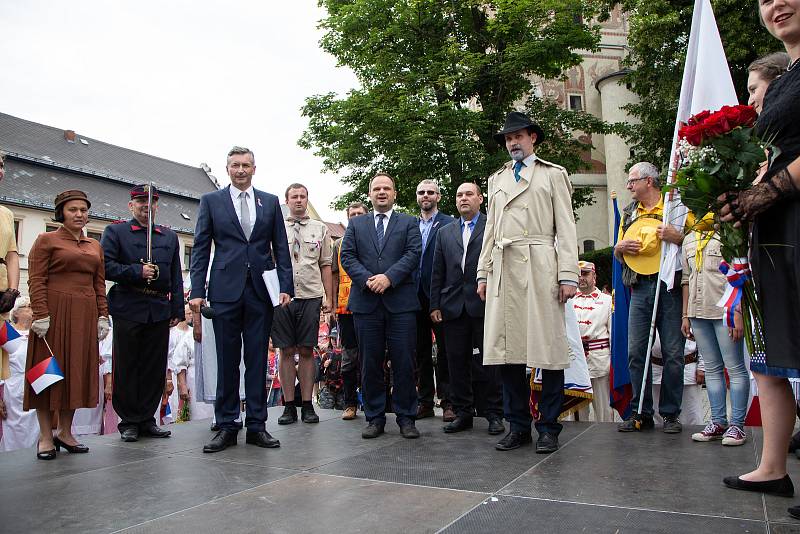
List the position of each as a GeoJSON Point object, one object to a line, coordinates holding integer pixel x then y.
{"type": "Point", "coordinates": [325, 478]}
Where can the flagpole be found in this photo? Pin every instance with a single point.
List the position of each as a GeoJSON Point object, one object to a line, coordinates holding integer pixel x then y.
{"type": "Point", "coordinates": [684, 106]}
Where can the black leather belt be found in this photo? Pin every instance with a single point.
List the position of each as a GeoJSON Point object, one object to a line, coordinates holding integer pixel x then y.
{"type": "Point", "coordinates": [148, 292]}
{"type": "Point", "coordinates": [689, 358]}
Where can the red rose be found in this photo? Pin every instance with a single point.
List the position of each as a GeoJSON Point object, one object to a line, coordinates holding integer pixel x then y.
{"type": "Point", "coordinates": [692, 133]}
{"type": "Point", "coordinates": [732, 114]}
{"type": "Point", "coordinates": [699, 118]}
{"type": "Point", "coordinates": [748, 116]}
{"type": "Point", "coordinates": [717, 124]}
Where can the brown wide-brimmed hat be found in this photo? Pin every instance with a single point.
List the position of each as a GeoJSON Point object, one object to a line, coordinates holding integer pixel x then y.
{"type": "Point", "coordinates": [71, 194]}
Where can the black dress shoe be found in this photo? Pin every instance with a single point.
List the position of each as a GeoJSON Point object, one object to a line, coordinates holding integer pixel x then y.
{"type": "Point", "coordinates": [496, 426]}
{"type": "Point", "coordinates": [794, 511]}
{"type": "Point", "coordinates": [459, 424]}
{"type": "Point", "coordinates": [214, 427]}
{"type": "Point", "coordinates": [409, 431]}
{"type": "Point", "coordinates": [547, 443]}
{"type": "Point", "coordinates": [153, 431]}
{"type": "Point", "coordinates": [373, 430]}
{"type": "Point", "coordinates": [45, 455]}
{"type": "Point", "coordinates": [130, 435]}
{"type": "Point", "coordinates": [307, 413]}
{"type": "Point", "coordinates": [781, 487]}
{"type": "Point", "coordinates": [221, 441]}
{"type": "Point", "coordinates": [72, 449]}
{"type": "Point", "coordinates": [262, 439]}
{"type": "Point", "coordinates": [514, 440]}
{"type": "Point", "coordinates": [289, 415]}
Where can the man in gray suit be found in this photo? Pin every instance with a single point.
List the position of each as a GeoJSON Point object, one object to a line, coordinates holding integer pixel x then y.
{"type": "Point", "coordinates": [456, 305]}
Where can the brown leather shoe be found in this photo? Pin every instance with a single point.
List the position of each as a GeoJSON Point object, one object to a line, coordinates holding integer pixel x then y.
{"type": "Point", "coordinates": [424, 411]}
{"type": "Point", "coordinates": [349, 413]}
{"type": "Point", "coordinates": [448, 415]}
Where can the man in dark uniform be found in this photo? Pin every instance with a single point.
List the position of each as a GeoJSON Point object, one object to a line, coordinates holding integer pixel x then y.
{"type": "Point", "coordinates": [145, 301]}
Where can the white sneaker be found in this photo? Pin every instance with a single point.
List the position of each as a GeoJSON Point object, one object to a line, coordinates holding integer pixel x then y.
{"type": "Point", "coordinates": [734, 436]}
{"type": "Point", "coordinates": [711, 432]}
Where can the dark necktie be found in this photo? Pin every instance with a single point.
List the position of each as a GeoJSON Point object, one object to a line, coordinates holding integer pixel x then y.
{"type": "Point", "coordinates": [379, 229]}
{"type": "Point", "coordinates": [517, 167]}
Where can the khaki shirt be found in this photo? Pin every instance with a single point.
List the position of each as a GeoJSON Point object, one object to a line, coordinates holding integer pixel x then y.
{"type": "Point", "coordinates": [706, 283]}
{"type": "Point", "coordinates": [8, 242]}
{"type": "Point", "coordinates": [314, 252]}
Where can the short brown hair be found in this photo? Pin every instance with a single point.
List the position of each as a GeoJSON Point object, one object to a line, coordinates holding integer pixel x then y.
{"type": "Point", "coordinates": [770, 66]}
{"type": "Point", "coordinates": [355, 206]}
{"type": "Point", "coordinates": [241, 150]}
{"type": "Point", "coordinates": [295, 186]}
{"type": "Point", "coordinates": [389, 176]}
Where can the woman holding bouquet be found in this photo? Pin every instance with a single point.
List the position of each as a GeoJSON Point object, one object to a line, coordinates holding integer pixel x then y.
{"type": "Point", "coordinates": [773, 207]}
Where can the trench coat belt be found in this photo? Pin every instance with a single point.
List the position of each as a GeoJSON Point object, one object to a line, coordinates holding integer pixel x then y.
{"type": "Point", "coordinates": [520, 241]}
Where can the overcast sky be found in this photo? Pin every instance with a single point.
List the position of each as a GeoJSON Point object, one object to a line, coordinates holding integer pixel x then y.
{"type": "Point", "coordinates": [183, 80]}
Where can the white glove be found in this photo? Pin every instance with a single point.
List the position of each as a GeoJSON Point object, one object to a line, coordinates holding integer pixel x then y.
{"type": "Point", "coordinates": [103, 328]}
{"type": "Point", "coordinates": [41, 326]}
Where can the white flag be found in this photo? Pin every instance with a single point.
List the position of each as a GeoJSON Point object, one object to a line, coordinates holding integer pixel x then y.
{"type": "Point", "coordinates": [707, 85]}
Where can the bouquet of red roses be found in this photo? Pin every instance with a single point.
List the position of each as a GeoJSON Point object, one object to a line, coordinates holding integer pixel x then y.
{"type": "Point", "coordinates": [720, 153]}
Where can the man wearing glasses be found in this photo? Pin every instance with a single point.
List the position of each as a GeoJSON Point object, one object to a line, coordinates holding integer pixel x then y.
{"type": "Point", "coordinates": [644, 185]}
{"type": "Point", "coordinates": [430, 221]}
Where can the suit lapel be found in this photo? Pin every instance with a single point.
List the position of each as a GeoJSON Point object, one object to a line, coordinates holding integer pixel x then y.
{"type": "Point", "coordinates": [371, 225]}
{"type": "Point", "coordinates": [227, 201]}
{"type": "Point", "coordinates": [259, 209]}
{"type": "Point", "coordinates": [389, 228]}
{"type": "Point", "coordinates": [477, 232]}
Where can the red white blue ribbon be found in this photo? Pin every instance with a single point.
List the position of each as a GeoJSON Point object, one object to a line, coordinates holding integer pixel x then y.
{"type": "Point", "coordinates": [737, 273]}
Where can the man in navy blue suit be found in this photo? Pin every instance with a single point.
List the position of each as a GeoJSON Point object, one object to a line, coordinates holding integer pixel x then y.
{"type": "Point", "coordinates": [247, 230]}
{"type": "Point", "coordinates": [431, 220]}
{"type": "Point", "coordinates": [380, 252]}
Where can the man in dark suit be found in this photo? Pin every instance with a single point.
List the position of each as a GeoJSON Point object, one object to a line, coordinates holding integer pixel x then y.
{"type": "Point", "coordinates": [431, 220]}
{"type": "Point", "coordinates": [247, 230]}
{"type": "Point", "coordinates": [380, 252]}
{"type": "Point", "coordinates": [456, 306]}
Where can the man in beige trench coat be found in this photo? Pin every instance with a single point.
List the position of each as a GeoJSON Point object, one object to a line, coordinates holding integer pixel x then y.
{"type": "Point", "coordinates": [527, 270]}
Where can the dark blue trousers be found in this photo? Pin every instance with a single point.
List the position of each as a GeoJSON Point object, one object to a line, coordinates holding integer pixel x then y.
{"type": "Point", "coordinates": [517, 394]}
{"type": "Point", "coordinates": [247, 320]}
{"type": "Point", "coordinates": [397, 332]}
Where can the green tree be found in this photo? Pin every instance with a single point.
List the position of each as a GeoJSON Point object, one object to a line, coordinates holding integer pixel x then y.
{"type": "Point", "coordinates": [658, 39]}
{"type": "Point", "coordinates": [437, 79]}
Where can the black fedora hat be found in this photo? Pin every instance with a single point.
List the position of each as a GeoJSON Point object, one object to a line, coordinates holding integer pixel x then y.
{"type": "Point", "coordinates": [517, 120]}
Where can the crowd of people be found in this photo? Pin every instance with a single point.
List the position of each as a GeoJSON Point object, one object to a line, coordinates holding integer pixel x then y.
{"type": "Point", "coordinates": [418, 308]}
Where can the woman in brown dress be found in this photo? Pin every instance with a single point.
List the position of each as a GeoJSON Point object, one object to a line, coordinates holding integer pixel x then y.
{"type": "Point", "coordinates": [66, 281]}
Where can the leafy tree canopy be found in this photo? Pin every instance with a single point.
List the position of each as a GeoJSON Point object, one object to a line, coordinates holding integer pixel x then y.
{"type": "Point", "coordinates": [658, 39]}
{"type": "Point", "coordinates": [437, 79]}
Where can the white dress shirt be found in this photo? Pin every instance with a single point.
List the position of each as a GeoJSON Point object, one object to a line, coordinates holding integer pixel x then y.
{"type": "Point", "coordinates": [385, 221]}
{"type": "Point", "coordinates": [251, 203]}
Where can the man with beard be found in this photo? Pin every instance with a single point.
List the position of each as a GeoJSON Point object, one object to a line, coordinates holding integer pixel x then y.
{"type": "Point", "coordinates": [430, 221]}
{"type": "Point", "coordinates": [527, 271]}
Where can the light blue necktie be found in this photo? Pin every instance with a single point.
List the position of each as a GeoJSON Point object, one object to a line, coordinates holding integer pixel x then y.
{"type": "Point", "coordinates": [517, 167]}
{"type": "Point", "coordinates": [379, 229]}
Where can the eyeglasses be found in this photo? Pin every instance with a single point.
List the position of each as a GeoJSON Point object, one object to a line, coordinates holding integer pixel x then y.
{"type": "Point", "coordinates": [429, 193]}
{"type": "Point", "coordinates": [632, 180]}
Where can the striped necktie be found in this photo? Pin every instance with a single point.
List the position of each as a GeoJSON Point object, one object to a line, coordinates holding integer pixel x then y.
{"type": "Point", "coordinates": [379, 229]}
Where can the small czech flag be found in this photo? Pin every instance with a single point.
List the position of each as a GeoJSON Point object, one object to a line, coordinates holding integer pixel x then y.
{"type": "Point", "coordinates": [44, 374]}
{"type": "Point", "coordinates": [10, 339]}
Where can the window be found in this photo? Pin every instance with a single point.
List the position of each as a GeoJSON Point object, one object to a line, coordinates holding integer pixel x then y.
{"type": "Point", "coordinates": [576, 102]}
{"type": "Point", "coordinates": [51, 227]}
{"type": "Point", "coordinates": [187, 256]}
{"type": "Point", "coordinates": [588, 245]}
{"type": "Point", "coordinates": [94, 234]}
{"type": "Point", "coordinates": [16, 231]}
